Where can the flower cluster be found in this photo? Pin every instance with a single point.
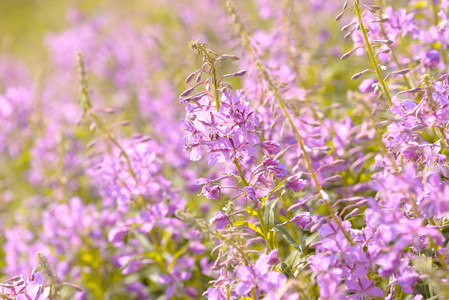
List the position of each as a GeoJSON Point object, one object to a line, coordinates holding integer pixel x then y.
{"type": "Point", "coordinates": [282, 173]}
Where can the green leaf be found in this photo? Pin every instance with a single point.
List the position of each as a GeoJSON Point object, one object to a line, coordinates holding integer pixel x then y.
{"type": "Point", "coordinates": [130, 260]}
{"type": "Point", "coordinates": [286, 270]}
{"type": "Point", "coordinates": [309, 240]}
{"type": "Point", "coordinates": [281, 230]}
{"type": "Point", "coordinates": [144, 242]}
{"type": "Point", "coordinates": [249, 225]}
{"type": "Point", "coordinates": [271, 237]}
{"type": "Point", "coordinates": [153, 255]}
{"type": "Point", "coordinates": [420, 4]}
{"type": "Point", "coordinates": [268, 215]}
{"type": "Point", "coordinates": [178, 254]}
{"type": "Point", "coordinates": [251, 211]}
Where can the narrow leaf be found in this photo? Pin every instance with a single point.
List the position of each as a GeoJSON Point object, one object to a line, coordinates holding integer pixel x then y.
{"type": "Point", "coordinates": [286, 270]}
{"type": "Point", "coordinates": [144, 242]}
{"type": "Point", "coordinates": [268, 215]}
{"type": "Point", "coordinates": [309, 240]}
{"type": "Point", "coordinates": [249, 225]}
{"type": "Point", "coordinates": [290, 240]}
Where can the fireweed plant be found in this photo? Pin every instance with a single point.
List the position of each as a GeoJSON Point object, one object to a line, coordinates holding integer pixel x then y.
{"type": "Point", "coordinates": [312, 165]}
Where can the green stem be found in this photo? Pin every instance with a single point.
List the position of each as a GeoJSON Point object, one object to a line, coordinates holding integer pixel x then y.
{"type": "Point", "coordinates": [236, 246]}
{"type": "Point", "coordinates": [253, 294]}
{"type": "Point", "coordinates": [393, 54]}
{"type": "Point", "coordinates": [239, 169]}
{"type": "Point", "coordinates": [99, 124]}
{"type": "Point", "coordinates": [371, 54]}
{"type": "Point", "coordinates": [259, 214]}
{"type": "Point", "coordinates": [159, 251]}
{"type": "Point", "coordinates": [217, 99]}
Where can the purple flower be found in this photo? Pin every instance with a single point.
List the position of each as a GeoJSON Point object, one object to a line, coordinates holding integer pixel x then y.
{"type": "Point", "coordinates": [295, 183]}
{"type": "Point", "coordinates": [363, 288]}
{"type": "Point", "coordinates": [407, 280]}
{"type": "Point", "coordinates": [220, 220]}
{"type": "Point", "coordinates": [367, 85]}
{"type": "Point", "coordinates": [270, 147]}
{"type": "Point", "coordinates": [209, 190]}
{"type": "Point", "coordinates": [431, 59]}
{"type": "Point", "coordinates": [274, 167]}
{"type": "Point", "coordinates": [302, 219]}
{"type": "Point", "coordinates": [259, 276]}
{"type": "Point", "coordinates": [24, 288]}
{"type": "Point", "coordinates": [250, 195]}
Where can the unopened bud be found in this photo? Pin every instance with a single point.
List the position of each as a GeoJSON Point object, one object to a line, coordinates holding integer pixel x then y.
{"type": "Point", "coordinates": [353, 213]}
{"type": "Point", "coordinates": [190, 77]}
{"type": "Point", "coordinates": [346, 27]}
{"type": "Point", "coordinates": [187, 92]}
{"type": "Point", "coordinates": [348, 35]}
{"type": "Point", "coordinates": [239, 73]}
{"type": "Point", "coordinates": [340, 15]}
{"type": "Point", "coordinates": [348, 54]}
{"type": "Point", "coordinates": [198, 78]}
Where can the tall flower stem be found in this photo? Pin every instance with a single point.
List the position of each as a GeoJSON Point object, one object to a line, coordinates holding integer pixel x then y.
{"type": "Point", "coordinates": [393, 54]}
{"type": "Point", "coordinates": [87, 106]}
{"type": "Point", "coordinates": [259, 214]}
{"type": "Point", "coordinates": [371, 54]}
{"type": "Point", "coordinates": [264, 74]}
